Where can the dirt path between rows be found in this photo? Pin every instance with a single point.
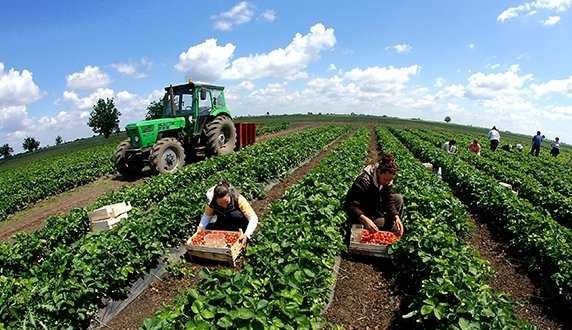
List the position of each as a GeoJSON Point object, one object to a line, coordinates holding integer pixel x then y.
{"type": "Point", "coordinates": [33, 218]}
{"type": "Point", "coordinates": [365, 295]}
{"type": "Point", "coordinates": [512, 279]}
{"type": "Point", "coordinates": [164, 292]}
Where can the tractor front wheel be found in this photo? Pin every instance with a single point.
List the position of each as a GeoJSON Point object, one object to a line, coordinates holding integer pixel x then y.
{"type": "Point", "coordinates": [220, 135]}
{"type": "Point", "coordinates": [124, 167]}
{"type": "Point", "coordinates": [167, 156]}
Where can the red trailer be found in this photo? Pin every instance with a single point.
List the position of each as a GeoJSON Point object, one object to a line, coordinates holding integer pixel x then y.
{"type": "Point", "coordinates": [245, 134]}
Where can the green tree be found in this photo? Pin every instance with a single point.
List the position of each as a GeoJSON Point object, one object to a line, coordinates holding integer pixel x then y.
{"type": "Point", "coordinates": [447, 119]}
{"type": "Point", "coordinates": [30, 144]}
{"type": "Point", "coordinates": [6, 151]}
{"type": "Point", "coordinates": [59, 140]}
{"type": "Point", "coordinates": [154, 110]}
{"type": "Point", "coordinates": [104, 118]}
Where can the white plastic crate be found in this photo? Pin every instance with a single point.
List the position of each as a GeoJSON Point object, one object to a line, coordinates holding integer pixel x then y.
{"type": "Point", "coordinates": [109, 211]}
{"type": "Point", "coordinates": [106, 224]}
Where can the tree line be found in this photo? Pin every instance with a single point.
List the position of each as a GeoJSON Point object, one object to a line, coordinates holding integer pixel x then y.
{"type": "Point", "coordinates": [103, 120]}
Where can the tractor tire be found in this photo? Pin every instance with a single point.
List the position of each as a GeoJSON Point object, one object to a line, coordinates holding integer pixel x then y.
{"type": "Point", "coordinates": [220, 136]}
{"type": "Point", "coordinates": [167, 156]}
{"type": "Point", "coordinates": [125, 168]}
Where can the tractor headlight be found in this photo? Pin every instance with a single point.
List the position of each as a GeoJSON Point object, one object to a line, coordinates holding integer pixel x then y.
{"type": "Point", "coordinates": [136, 139]}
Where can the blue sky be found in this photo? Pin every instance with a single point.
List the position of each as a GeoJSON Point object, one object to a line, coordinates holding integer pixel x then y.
{"type": "Point", "coordinates": [484, 63]}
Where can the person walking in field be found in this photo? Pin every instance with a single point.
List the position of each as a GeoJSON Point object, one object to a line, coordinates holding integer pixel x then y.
{"type": "Point", "coordinates": [494, 138]}
{"type": "Point", "coordinates": [475, 147]}
{"type": "Point", "coordinates": [371, 200]}
{"type": "Point", "coordinates": [555, 147]}
{"type": "Point", "coordinates": [228, 210]}
{"type": "Point", "coordinates": [536, 143]}
{"type": "Point", "coordinates": [450, 146]}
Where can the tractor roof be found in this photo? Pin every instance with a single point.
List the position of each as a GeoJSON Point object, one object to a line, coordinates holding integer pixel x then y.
{"type": "Point", "coordinates": [188, 87]}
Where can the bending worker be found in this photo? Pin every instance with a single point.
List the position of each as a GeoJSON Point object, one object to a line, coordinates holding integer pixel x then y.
{"type": "Point", "coordinates": [228, 210]}
{"type": "Point", "coordinates": [450, 146]}
{"type": "Point", "coordinates": [371, 201]}
{"type": "Point", "coordinates": [475, 147]}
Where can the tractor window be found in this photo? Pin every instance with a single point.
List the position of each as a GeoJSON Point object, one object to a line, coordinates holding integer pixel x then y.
{"type": "Point", "coordinates": [187, 105]}
{"type": "Point", "coordinates": [218, 99]}
{"type": "Point", "coordinates": [206, 103]}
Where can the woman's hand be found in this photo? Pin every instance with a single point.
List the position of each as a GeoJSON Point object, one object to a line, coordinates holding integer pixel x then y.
{"type": "Point", "coordinates": [398, 226]}
{"type": "Point", "coordinates": [368, 223]}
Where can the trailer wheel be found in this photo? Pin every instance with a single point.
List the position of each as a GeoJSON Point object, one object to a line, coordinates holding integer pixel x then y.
{"type": "Point", "coordinates": [167, 156]}
{"type": "Point", "coordinates": [124, 167]}
{"type": "Point", "coordinates": [220, 135]}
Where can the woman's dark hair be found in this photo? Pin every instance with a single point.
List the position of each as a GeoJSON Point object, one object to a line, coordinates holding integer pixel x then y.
{"type": "Point", "coordinates": [387, 164]}
{"type": "Point", "coordinates": [475, 141]}
{"type": "Point", "coordinates": [221, 189]}
{"type": "Point", "coordinates": [452, 142]}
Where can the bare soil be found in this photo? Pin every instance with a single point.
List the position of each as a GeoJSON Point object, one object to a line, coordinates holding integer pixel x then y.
{"type": "Point", "coordinates": [33, 218]}
{"type": "Point", "coordinates": [365, 295]}
{"type": "Point", "coordinates": [160, 294]}
{"type": "Point", "coordinates": [513, 280]}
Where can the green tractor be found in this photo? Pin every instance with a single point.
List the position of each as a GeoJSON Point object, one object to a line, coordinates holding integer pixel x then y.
{"type": "Point", "coordinates": [195, 124]}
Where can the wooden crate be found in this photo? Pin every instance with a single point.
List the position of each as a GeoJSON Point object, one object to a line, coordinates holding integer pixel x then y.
{"type": "Point", "coordinates": [373, 250]}
{"type": "Point", "coordinates": [109, 211]}
{"type": "Point", "coordinates": [226, 255]}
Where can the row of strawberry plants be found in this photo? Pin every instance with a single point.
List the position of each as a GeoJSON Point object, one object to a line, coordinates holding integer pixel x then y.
{"type": "Point", "coordinates": [271, 127]}
{"type": "Point", "coordinates": [545, 243]}
{"type": "Point", "coordinates": [518, 175]}
{"type": "Point", "coordinates": [22, 186]}
{"type": "Point", "coordinates": [68, 287]}
{"type": "Point", "coordinates": [17, 257]}
{"type": "Point", "coordinates": [546, 172]}
{"type": "Point", "coordinates": [288, 272]}
{"type": "Point", "coordinates": [450, 281]}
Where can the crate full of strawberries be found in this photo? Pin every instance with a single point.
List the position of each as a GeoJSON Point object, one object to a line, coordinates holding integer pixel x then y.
{"type": "Point", "coordinates": [215, 245]}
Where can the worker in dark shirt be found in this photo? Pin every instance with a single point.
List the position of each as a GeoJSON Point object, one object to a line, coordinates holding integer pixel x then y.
{"type": "Point", "coordinates": [536, 143]}
{"type": "Point", "coordinates": [371, 200]}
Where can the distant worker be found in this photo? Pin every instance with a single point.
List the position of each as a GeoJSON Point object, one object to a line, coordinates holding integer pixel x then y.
{"type": "Point", "coordinates": [494, 138]}
{"type": "Point", "coordinates": [228, 210]}
{"type": "Point", "coordinates": [475, 147]}
{"type": "Point", "coordinates": [371, 200]}
{"type": "Point", "coordinates": [536, 143]}
{"type": "Point", "coordinates": [450, 146]}
{"type": "Point", "coordinates": [555, 147]}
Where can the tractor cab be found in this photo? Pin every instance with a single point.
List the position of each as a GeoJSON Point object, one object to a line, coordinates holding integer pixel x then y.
{"type": "Point", "coordinates": [195, 123]}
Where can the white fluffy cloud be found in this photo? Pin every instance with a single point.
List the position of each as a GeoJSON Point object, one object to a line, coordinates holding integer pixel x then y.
{"type": "Point", "coordinates": [241, 13]}
{"type": "Point", "coordinates": [531, 8]}
{"type": "Point", "coordinates": [559, 86]}
{"type": "Point", "coordinates": [92, 77]}
{"type": "Point", "coordinates": [400, 48]}
{"type": "Point", "coordinates": [382, 78]}
{"type": "Point", "coordinates": [17, 87]}
{"type": "Point", "coordinates": [208, 61]}
{"type": "Point", "coordinates": [552, 20]}
{"type": "Point", "coordinates": [205, 61]}
{"type": "Point", "coordinates": [284, 62]}
{"type": "Point", "coordinates": [268, 15]}
{"type": "Point", "coordinates": [496, 85]}
{"type": "Point", "coordinates": [17, 91]}
{"type": "Point", "coordinates": [136, 69]}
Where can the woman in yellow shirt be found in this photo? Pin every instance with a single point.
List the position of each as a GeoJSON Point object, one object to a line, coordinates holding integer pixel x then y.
{"type": "Point", "coordinates": [228, 210]}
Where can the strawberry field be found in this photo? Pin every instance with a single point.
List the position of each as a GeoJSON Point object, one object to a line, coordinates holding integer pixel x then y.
{"type": "Point", "coordinates": [296, 272]}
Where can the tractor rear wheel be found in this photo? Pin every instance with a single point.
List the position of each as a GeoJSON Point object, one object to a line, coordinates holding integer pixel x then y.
{"type": "Point", "coordinates": [167, 156]}
{"type": "Point", "coordinates": [220, 135]}
{"type": "Point", "coordinates": [125, 168]}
